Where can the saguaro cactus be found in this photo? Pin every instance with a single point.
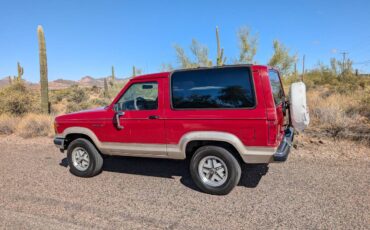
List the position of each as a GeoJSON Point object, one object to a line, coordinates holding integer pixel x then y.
{"type": "Point", "coordinates": [220, 51]}
{"type": "Point", "coordinates": [113, 74]}
{"type": "Point", "coordinates": [106, 93]}
{"type": "Point", "coordinates": [133, 71]}
{"type": "Point", "coordinates": [43, 71]}
{"type": "Point", "coordinates": [20, 72]}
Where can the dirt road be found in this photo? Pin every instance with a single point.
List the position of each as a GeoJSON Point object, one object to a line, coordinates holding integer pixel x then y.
{"type": "Point", "coordinates": [320, 186]}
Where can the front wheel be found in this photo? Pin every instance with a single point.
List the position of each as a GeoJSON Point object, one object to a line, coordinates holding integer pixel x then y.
{"type": "Point", "coordinates": [84, 159]}
{"type": "Point", "coordinates": [215, 170]}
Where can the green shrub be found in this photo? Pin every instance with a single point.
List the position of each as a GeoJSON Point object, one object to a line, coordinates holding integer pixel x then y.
{"type": "Point", "coordinates": [17, 99]}
{"type": "Point", "coordinates": [74, 107]}
{"type": "Point", "coordinates": [100, 102]}
{"type": "Point", "coordinates": [76, 95]}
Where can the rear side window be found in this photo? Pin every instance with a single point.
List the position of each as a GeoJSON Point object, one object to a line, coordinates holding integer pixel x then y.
{"type": "Point", "coordinates": [277, 90]}
{"type": "Point", "coordinates": [213, 88]}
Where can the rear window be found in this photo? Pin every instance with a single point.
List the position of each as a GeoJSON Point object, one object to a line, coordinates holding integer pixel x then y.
{"type": "Point", "coordinates": [277, 90]}
{"type": "Point", "coordinates": [212, 88]}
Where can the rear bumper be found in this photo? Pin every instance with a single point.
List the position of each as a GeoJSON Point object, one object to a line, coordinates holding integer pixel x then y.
{"type": "Point", "coordinates": [259, 155]}
{"type": "Point", "coordinates": [59, 142]}
{"type": "Point", "coordinates": [283, 150]}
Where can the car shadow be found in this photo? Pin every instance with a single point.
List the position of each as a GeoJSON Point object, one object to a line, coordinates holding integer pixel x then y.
{"type": "Point", "coordinates": [250, 178]}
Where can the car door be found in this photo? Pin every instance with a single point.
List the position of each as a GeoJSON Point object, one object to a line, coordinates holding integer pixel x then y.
{"type": "Point", "coordinates": [140, 130]}
{"type": "Point", "coordinates": [279, 98]}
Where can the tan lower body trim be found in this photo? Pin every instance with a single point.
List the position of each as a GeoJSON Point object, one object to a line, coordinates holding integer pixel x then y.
{"type": "Point", "coordinates": [256, 155]}
{"type": "Point", "coordinates": [250, 155]}
{"type": "Point", "coordinates": [175, 151]}
{"type": "Point", "coordinates": [142, 150]}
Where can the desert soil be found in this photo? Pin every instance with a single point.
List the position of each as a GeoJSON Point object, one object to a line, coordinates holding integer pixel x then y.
{"type": "Point", "coordinates": [323, 185]}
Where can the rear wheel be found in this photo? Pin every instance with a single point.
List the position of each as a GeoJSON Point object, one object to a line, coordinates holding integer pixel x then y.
{"type": "Point", "coordinates": [215, 170]}
{"type": "Point", "coordinates": [84, 159]}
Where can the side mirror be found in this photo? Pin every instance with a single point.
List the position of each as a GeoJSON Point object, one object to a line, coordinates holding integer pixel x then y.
{"type": "Point", "coordinates": [118, 115]}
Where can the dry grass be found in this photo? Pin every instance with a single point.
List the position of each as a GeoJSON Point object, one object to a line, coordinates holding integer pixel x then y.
{"type": "Point", "coordinates": [339, 115]}
{"type": "Point", "coordinates": [8, 124]}
{"type": "Point", "coordinates": [35, 125]}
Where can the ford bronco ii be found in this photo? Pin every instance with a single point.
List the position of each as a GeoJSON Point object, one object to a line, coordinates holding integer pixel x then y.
{"type": "Point", "coordinates": [220, 118]}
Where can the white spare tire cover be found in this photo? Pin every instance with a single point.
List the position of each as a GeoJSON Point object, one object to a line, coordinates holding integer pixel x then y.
{"type": "Point", "coordinates": [298, 106]}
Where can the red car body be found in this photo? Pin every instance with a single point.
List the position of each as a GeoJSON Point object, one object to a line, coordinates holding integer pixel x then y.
{"type": "Point", "coordinates": [260, 129]}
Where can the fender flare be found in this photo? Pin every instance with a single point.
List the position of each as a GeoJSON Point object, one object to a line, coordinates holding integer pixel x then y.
{"type": "Point", "coordinates": [212, 136]}
{"type": "Point", "coordinates": [81, 130]}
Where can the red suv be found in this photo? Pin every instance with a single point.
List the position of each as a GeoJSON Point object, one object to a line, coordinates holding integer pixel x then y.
{"type": "Point", "coordinates": [219, 117]}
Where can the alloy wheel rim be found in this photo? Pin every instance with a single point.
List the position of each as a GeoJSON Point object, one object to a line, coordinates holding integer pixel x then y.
{"type": "Point", "coordinates": [213, 171]}
{"type": "Point", "coordinates": [80, 159]}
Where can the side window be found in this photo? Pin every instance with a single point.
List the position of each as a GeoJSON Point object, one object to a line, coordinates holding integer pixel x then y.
{"type": "Point", "coordinates": [276, 87]}
{"type": "Point", "coordinates": [140, 96]}
{"type": "Point", "coordinates": [213, 88]}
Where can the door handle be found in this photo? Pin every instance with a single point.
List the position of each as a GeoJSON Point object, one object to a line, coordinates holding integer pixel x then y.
{"type": "Point", "coordinates": [118, 115]}
{"type": "Point", "coordinates": [153, 117]}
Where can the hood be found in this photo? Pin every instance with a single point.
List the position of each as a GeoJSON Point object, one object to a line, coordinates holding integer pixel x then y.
{"type": "Point", "coordinates": [99, 109]}
{"type": "Point", "coordinates": [97, 113]}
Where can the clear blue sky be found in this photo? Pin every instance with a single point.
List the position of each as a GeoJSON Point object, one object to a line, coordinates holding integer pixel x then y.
{"type": "Point", "coordinates": [88, 37]}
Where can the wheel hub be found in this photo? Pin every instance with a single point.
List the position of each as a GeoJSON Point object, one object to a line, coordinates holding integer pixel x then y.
{"type": "Point", "coordinates": [80, 159]}
{"type": "Point", "coordinates": [213, 171]}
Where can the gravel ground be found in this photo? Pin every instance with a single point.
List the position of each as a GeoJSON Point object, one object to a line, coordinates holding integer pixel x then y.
{"type": "Point", "coordinates": [323, 185]}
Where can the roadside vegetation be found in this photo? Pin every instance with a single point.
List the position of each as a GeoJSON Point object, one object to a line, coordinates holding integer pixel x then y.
{"type": "Point", "coordinates": [338, 99]}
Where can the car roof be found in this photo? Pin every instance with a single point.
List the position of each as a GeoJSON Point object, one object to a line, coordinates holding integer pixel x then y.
{"type": "Point", "coordinates": [167, 74]}
{"type": "Point", "coordinates": [152, 75]}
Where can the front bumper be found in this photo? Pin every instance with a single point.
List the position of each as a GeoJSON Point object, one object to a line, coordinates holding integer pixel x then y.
{"type": "Point", "coordinates": [283, 150]}
{"type": "Point", "coordinates": [59, 142]}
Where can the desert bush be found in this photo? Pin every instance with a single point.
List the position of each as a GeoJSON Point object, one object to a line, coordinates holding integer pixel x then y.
{"type": "Point", "coordinates": [74, 107]}
{"type": "Point", "coordinates": [77, 95]}
{"type": "Point", "coordinates": [340, 115]}
{"type": "Point", "coordinates": [8, 124]}
{"type": "Point", "coordinates": [17, 99]}
{"type": "Point", "coordinates": [56, 96]}
{"type": "Point", "coordinates": [35, 125]}
{"type": "Point", "coordinates": [100, 101]}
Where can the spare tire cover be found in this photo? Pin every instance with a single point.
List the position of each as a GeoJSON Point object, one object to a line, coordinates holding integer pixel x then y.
{"type": "Point", "coordinates": [298, 106]}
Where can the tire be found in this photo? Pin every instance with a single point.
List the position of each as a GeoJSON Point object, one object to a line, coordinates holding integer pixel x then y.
{"type": "Point", "coordinates": [225, 167]}
{"type": "Point", "coordinates": [88, 168]}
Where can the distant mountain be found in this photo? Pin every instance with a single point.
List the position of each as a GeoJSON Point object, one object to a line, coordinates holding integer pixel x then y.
{"type": "Point", "coordinates": [4, 82]}
{"type": "Point", "coordinates": [86, 81]}
{"type": "Point", "coordinates": [61, 84]}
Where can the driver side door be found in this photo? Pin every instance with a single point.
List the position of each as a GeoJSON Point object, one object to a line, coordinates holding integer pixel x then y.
{"type": "Point", "coordinates": [142, 121]}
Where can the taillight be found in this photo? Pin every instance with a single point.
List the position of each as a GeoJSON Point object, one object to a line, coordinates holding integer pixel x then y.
{"type": "Point", "coordinates": [272, 131]}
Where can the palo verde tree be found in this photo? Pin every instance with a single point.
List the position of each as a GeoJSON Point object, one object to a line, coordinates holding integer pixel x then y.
{"type": "Point", "coordinates": [247, 46]}
{"type": "Point", "coordinates": [281, 58]}
{"type": "Point", "coordinates": [199, 53]}
{"type": "Point", "coordinates": [43, 71]}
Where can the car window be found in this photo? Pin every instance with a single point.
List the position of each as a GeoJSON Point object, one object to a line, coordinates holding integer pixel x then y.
{"type": "Point", "coordinates": [276, 87]}
{"type": "Point", "coordinates": [212, 88]}
{"type": "Point", "coordinates": [140, 96]}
